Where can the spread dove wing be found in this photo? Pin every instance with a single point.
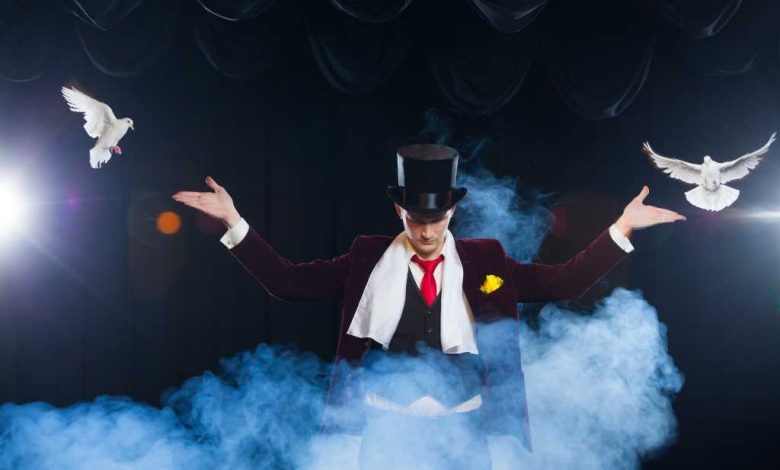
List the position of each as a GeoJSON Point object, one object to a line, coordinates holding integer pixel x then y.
{"type": "Point", "coordinates": [101, 124]}
{"type": "Point", "coordinates": [711, 192]}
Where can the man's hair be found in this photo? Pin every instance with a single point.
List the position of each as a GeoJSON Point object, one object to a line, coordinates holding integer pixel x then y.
{"type": "Point", "coordinates": [427, 218]}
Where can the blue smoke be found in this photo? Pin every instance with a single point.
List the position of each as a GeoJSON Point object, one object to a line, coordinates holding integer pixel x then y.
{"type": "Point", "coordinates": [106, 433]}
{"type": "Point", "coordinates": [599, 386]}
{"type": "Point", "coordinates": [260, 413]}
{"type": "Point", "coordinates": [599, 390]}
{"type": "Point", "coordinates": [493, 209]}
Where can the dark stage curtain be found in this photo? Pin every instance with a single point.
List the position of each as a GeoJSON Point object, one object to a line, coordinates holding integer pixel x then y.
{"type": "Point", "coordinates": [25, 39]}
{"type": "Point", "coordinates": [136, 43]}
{"type": "Point", "coordinates": [509, 16]}
{"type": "Point", "coordinates": [597, 66]}
{"type": "Point", "coordinates": [701, 18]}
{"type": "Point", "coordinates": [102, 14]}
{"type": "Point", "coordinates": [741, 44]}
{"type": "Point", "coordinates": [238, 49]}
{"type": "Point", "coordinates": [6, 8]}
{"type": "Point", "coordinates": [480, 71]}
{"type": "Point", "coordinates": [235, 10]}
{"type": "Point", "coordinates": [356, 57]}
{"type": "Point", "coordinates": [372, 11]}
{"type": "Point", "coordinates": [598, 54]}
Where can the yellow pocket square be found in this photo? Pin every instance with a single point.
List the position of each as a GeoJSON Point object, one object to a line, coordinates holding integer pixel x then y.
{"type": "Point", "coordinates": [491, 283]}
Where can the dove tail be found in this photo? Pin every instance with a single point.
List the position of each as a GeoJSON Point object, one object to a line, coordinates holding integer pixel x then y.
{"type": "Point", "coordinates": [98, 156]}
{"type": "Point", "coordinates": [716, 200]}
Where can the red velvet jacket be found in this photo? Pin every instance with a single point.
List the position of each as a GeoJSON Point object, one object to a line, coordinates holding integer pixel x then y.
{"type": "Point", "coordinates": [344, 278]}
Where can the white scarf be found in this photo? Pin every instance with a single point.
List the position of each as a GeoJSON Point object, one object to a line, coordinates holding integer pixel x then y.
{"type": "Point", "coordinates": [382, 303]}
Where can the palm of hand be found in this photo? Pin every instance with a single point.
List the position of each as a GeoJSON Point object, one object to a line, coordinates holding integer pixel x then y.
{"type": "Point", "coordinates": [638, 215]}
{"type": "Point", "coordinates": [217, 204]}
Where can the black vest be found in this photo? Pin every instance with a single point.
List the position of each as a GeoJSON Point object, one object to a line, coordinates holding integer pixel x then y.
{"type": "Point", "coordinates": [418, 323]}
{"type": "Point", "coordinates": [458, 376]}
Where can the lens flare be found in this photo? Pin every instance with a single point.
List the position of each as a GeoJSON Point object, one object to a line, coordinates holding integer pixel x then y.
{"type": "Point", "coordinates": [168, 222]}
{"type": "Point", "coordinates": [11, 207]}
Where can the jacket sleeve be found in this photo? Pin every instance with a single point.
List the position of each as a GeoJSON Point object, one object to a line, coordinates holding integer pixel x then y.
{"type": "Point", "coordinates": [321, 279]}
{"type": "Point", "coordinates": [535, 282]}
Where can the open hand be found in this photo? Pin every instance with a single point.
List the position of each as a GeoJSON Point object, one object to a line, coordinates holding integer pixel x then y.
{"type": "Point", "coordinates": [217, 204]}
{"type": "Point", "coordinates": [637, 215]}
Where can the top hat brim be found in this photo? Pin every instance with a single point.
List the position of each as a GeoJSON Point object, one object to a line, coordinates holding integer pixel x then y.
{"type": "Point", "coordinates": [425, 203]}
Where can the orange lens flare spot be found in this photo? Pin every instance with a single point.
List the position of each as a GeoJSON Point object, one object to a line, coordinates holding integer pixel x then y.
{"type": "Point", "coordinates": [168, 222]}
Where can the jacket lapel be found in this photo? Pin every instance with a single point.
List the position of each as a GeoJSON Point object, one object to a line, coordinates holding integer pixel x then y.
{"type": "Point", "coordinates": [470, 277]}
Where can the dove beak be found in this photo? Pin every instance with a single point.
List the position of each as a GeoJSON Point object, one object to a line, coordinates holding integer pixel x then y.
{"type": "Point", "coordinates": [132, 128]}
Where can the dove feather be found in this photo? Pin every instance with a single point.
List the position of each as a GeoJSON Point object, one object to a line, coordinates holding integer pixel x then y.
{"type": "Point", "coordinates": [98, 116]}
{"type": "Point", "coordinates": [678, 169]}
{"type": "Point", "coordinates": [98, 156]}
{"type": "Point", "coordinates": [739, 168]}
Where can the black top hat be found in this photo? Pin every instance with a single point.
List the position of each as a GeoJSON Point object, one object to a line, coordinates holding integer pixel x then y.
{"type": "Point", "coordinates": [426, 176]}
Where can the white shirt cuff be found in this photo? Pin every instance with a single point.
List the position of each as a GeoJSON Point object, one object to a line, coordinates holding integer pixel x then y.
{"type": "Point", "coordinates": [235, 234]}
{"type": "Point", "coordinates": [621, 240]}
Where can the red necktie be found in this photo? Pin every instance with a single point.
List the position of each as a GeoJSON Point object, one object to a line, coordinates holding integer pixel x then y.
{"type": "Point", "coordinates": [428, 284]}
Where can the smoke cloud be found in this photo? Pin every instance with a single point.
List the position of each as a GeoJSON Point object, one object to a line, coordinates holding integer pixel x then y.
{"type": "Point", "coordinates": [493, 209]}
{"type": "Point", "coordinates": [599, 389]}
{"type": "Point", "coordinates": [599, 386]}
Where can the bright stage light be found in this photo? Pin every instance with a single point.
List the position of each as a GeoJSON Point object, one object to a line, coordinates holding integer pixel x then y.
{"type": "Point", "coordinates": [765, 214]}
{"type": "Point", "coordinates": [11, 207]}
{"type": "Point", "coordinates": [756, 214]}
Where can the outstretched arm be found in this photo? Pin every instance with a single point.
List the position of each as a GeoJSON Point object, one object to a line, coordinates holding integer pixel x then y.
{"type": "Point", "coordinates": [570, 280]}
{"type": "Point", "coordinates": [322, 279]}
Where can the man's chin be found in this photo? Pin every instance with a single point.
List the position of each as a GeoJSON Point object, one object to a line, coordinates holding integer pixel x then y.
{"type": "Point", "coordinates": [426, 248]}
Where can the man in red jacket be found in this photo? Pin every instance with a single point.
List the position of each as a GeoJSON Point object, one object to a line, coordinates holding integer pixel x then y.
{"type": "Point", "coordinates": [423, 288]}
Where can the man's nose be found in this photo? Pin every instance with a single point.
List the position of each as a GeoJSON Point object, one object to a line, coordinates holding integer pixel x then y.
{"type": "Point", "coordinates": [427, 231]}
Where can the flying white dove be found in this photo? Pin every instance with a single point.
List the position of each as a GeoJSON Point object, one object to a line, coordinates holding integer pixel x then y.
{"type": "Point", "coordinates": [711, 192]}
{"type": "Point", "coordinates": [101, 124]}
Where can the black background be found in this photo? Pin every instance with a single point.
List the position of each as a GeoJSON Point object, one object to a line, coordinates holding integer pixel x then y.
{"type": "Point", "coordinates": [93, 301]}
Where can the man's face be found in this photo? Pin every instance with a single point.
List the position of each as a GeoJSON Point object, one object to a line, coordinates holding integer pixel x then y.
{"type": "Point", "coordinates": [425, 233]}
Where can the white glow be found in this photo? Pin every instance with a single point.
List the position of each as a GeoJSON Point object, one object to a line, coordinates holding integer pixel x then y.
{"type": "Point", "coordinates": [765, 214]}
{"type": "Point", "coordinates": [11, 207]}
